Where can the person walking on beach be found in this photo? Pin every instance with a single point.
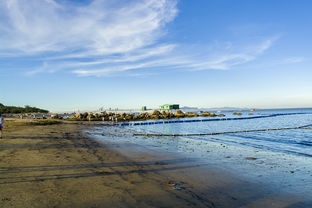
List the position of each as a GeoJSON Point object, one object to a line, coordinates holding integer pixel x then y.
{"type": "Point", "coordinates": [1, 125]}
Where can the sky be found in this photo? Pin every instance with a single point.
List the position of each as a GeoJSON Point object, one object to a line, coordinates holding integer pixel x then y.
{"type": "Point", "coordinates": [65, 55]}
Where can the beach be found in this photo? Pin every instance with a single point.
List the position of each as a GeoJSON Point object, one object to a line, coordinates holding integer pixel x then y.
{"type": "Point", "coordinates": [60, 165]}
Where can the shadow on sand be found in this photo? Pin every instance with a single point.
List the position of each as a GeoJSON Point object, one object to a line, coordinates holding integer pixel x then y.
{"type": "Point", "coordinates": [144, 167]}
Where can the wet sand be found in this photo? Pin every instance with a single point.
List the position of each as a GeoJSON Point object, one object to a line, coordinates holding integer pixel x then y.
{"type": "Point", "coordinates": [59, 166]}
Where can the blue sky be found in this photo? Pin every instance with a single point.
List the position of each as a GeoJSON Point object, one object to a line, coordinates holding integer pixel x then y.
{"type": "Point", "coordinates": [64, 55]}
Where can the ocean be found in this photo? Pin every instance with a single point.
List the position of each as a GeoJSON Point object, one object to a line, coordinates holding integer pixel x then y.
{"type": "Point", "coordinates": [293, 141]}
{"type": "Point", "coordinates": [281, 158]}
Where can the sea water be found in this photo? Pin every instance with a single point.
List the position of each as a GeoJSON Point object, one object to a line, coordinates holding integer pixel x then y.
{"type": "Point", "coordinates": [292, 141]}
{"type": "Point", "coordinates": [281, 158]}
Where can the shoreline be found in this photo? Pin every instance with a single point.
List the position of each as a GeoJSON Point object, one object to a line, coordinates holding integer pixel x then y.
{"type": "Point", "coordinates": [277, 171]}
{"type": "Point", "coordinates": [59, 166]}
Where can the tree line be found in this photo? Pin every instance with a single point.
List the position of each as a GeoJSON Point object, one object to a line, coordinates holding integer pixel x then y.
{"type": "Point", "coordinates": [16, 109]}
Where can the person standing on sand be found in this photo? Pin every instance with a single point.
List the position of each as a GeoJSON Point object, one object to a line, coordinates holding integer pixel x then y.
{"type": "Point", "coordinates": [1, 125]}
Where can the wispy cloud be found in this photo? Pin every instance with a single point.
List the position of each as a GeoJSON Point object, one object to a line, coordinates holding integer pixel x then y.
{"type": "Point", "coordinates": [179, 58]}
{"type": "Point", "coordinates": [102, 37]}
{"type": "Point", "coordinates": [293, 60]}
{"type": "Point", "coordinates": [98, 28]}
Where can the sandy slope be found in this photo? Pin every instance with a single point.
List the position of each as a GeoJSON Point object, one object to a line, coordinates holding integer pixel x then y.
{"type": "Point", "coordinates": [58, 166]}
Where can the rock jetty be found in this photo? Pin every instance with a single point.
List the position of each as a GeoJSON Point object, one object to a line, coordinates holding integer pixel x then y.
{"type": "Point", "coordinates": [121, 116]}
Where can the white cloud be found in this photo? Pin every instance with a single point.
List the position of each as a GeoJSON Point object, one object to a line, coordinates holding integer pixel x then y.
{"type": "Point", "coordinates": [137, 55]}
{"type": "Point", "coordinates": [293, 60]}
{"type": "Point", "coordinates": [177, 58]}
{"type": "Point", "coordinates": [104, 37]}
{"type": "Point", "coordinates": [265, 45]}
{"type": "Point", "coordinates": [101, 27]}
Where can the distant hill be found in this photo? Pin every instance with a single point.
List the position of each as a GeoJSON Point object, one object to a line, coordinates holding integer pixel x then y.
{"type": "Point", "coordinates": [224, 109]}
{"type": "Point", "coordinates": [15, 109]}
{"type": "Point", "coordinates": [187, 109]}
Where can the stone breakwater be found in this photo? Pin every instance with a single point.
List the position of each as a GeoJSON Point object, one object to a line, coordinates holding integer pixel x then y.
{"type": "Point", "coordinates": [154, 114]}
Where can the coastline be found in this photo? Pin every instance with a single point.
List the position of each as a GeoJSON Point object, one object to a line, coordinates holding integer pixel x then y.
{"type": "Point", "coordinates": [59, 166]}
{"type": "Point", "coordinates": [277, 173]}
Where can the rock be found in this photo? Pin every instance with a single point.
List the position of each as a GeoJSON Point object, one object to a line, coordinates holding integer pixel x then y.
{"type": "Point", "coordinates": [191, 115]}
{"type": "Point", "coordinates": [207, 114]}
{"type": "Point", "coordinates": [154, 117]}
{"type": "Point", "coordinates": [179, 112]}
{"type": "Point", "coordinates": [155, 113]}
{"type": "Point", "coordinates": [251, 158]}
{"type": "Point", "coordinates": [160, 163]}
{"type": "Point", "coordinates": [237, 114]}
{"type": "Point", "coordinates": [175, 186]}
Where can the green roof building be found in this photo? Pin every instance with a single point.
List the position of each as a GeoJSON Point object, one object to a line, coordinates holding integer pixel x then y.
{"type": "Point", "coordinates": [169, 106]}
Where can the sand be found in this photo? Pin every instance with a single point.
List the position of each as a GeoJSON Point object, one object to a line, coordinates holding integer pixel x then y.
{"type": "Point", "coordinates": [60, 166]}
